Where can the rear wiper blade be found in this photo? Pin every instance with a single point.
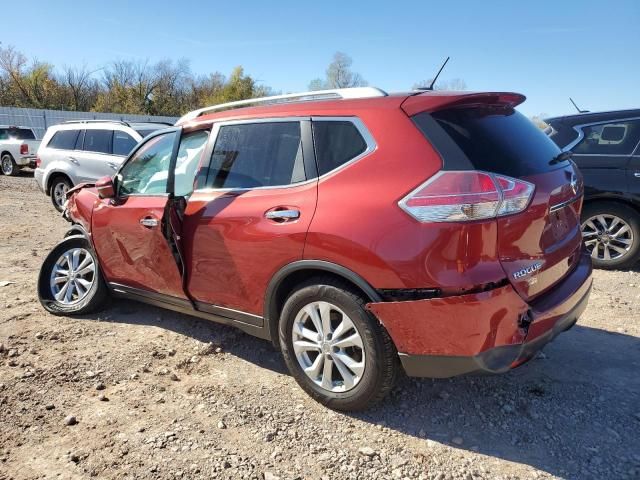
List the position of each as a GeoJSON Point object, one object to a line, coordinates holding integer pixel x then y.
{"type": "Point", "coordinates": [561, 157]}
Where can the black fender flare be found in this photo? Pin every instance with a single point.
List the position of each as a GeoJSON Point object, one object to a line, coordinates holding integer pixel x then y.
{"type": "Point", "coordinates": [270, 300]}
{"type": "Point", "coordinates": [77, 229]}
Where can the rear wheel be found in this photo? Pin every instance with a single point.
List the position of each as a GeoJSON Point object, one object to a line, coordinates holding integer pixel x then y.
{"type": "Point", "coordinates": [70, 281]}
{"type": "Point", "coordinates": [59, 188]}
{"type": "Point", "coordinates": [611, 233]}
{"type": "Point", "coordinates": [336, 350]}
{"type": "Point", "coordinates": [9, 166]}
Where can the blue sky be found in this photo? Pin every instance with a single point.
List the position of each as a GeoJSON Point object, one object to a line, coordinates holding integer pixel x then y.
{"type": "Point", "coordinates": [548, 50]}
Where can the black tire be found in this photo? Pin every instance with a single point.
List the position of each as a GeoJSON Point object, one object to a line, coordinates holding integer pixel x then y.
{"type": "Point", "coordinates": [9, 166]}
{"type": "Point", "coordinates": [380, 356]}
{"type": "Point", "coordinates": [628, 215]}
{"type": "Point", "coordinates": [95, 297]}
{"type": "Point", "coordinates": [58, 182]}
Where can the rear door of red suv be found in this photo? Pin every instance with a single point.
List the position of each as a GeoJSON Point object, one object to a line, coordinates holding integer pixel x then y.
{"type": "Point", "coordinates": [539, 240]}
{"type": "Point", "coordinates": [252, 215]}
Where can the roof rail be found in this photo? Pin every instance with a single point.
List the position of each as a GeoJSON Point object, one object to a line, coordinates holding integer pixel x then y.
{"type": "Point", "coordinates": [337, 93]}
{"type": "Point", "coordinates": [121, 122]}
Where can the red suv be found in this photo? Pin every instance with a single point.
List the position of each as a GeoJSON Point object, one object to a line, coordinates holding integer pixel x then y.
{"type": "Point", "coordinates": [358, 231]}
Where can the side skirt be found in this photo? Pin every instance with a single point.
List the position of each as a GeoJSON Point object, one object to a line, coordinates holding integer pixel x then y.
{"type": "Point", "coordinates": [251, 324]}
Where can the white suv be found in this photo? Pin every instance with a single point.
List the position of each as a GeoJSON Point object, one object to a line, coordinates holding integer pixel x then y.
{"type": "Point", "coordinates": [83, 151]}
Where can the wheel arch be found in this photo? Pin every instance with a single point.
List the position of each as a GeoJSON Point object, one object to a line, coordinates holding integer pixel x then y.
{"type": "Point", "coordinates": [6, 152]}
{"type": "Point", "coordinates": [621, 200]}
{"type": "Point", "coordinates": [52, 176]}
{"type": "Point", "coordinates": [285, 280]}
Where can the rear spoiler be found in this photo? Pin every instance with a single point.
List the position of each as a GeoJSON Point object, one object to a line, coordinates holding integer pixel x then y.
{"type": "Point", "coordinates": [433, 101]}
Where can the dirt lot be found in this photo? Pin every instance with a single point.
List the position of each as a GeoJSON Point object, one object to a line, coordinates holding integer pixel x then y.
{"type": "Point", "coordinates": [161, 395]}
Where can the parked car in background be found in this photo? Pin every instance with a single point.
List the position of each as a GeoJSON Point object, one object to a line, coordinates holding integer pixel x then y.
{"type": "Point", "coordinates": [18, 147]}
{"type": "Point", "coordinates": [606, 148]}
{"type": "Point", "coordinates": [356, 230]}
{"type": "Point", "coordinates": [83, 151]}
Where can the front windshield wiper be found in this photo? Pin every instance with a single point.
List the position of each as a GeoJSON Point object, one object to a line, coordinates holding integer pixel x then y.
{"type": "Point", "coordinates": [561, 157]}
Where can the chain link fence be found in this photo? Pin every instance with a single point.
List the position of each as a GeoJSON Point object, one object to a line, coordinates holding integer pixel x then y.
{"type": "Point", "coordinates": [39, 120]}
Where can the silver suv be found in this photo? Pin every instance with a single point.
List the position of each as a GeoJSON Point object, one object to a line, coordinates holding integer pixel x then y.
{"type": "Point", "coordinates": [83, 151]}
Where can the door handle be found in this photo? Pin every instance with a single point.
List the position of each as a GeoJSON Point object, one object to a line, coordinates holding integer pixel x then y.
{"type": "Point", "coordinates": [282, 215]}
{"type": "Point", "coordinates": [636, 174]}
{"type": "Point", "coordinates": [149, 222]}
{"type": "Point", "coordinates": [74, 160]}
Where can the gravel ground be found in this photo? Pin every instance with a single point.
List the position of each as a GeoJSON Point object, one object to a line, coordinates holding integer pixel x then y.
{"type": "Point", "coordinates": [138, 392]}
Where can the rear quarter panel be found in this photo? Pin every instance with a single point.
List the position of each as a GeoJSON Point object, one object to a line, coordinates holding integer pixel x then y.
{"type": "Point", "coordinates": [359, 225]}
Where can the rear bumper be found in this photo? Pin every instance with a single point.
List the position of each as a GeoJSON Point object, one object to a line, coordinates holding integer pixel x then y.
{"type": "Point", "coordinates": [38, 174]}
{"type": "Point", "coordinates": [26, 161]}
{"type": "Point", "coordinates": [482, 332]}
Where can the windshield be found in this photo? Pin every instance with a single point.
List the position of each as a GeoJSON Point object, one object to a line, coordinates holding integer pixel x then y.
{"type": "Point", "coordinates": [16, 134]}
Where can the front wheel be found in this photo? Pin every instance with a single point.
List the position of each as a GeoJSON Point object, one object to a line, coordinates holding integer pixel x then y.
{"type": "Point", "coordinates": [9, 166]}
{"type": "Point", "coordinates": [611, 233]}
{"type": "Point", "coordinates": [337, 351]}
{"type": "Point", "coordinates": [59, 188]}
{"type": "Point", "coordinates": [70, 281]}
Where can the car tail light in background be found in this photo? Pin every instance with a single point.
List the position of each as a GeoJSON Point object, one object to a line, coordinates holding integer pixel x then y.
{"type": "Point", "coordinates": [38, 162]}
{"type": "Point", "coordinates": [24, 149]}
{"type": "Point", "coordinates": [460, 196]}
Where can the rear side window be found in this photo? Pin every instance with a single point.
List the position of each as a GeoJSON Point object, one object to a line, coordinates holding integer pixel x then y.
{"type": "Point", "coordinates": [123, 143]}
{"type": "Point", "coordinates": [254, 155]}
{"type": "Point", "coordinates": [64, 139]}
{"type": "Point", "coordinates": [494, 139]}
{"type": "Point", "coordinates": [98, 141]}
{"type": "Point", "coordinates": [616, 138]}
{"type": "Point", "coordinates": [336, 142]}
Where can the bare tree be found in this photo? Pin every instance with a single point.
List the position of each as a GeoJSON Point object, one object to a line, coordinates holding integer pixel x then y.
{"type": "Point", "coordinates": [454, 84]}
{"type": "Point", "coordinates": [83, 87]}
{"type": "Point", "coordinates": [339, 75]}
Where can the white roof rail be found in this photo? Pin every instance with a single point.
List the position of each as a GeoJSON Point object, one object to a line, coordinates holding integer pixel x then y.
{"type": "Point", "coordinates": [337, 93]}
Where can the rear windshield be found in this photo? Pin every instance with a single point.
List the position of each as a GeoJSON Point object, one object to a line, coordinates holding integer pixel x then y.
{"type": "Point", "coordinates": [17, 134]}
{"type": "Point", "coordinates": [494, 139]}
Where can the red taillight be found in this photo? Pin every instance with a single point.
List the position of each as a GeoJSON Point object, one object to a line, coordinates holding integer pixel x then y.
{"type": "Point", "coordinates": [38, 162]}
{"type": "Point", "coordinates": [467, 195]}
{"type": "Point", "coordinates": [24, 149]}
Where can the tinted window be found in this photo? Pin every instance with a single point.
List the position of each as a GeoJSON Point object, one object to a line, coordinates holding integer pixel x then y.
{"type": "Point", "coordinates": [64, 139]}
{"type": "Point", "coordinates": [17, 134]}
{"type": "Point", "coordinates": [144, 132]}
{"type": "Point", "coordinates": [97, 141]}
{"type": "Point", "coordinates": [80, 140]}
{"type": "Point", "coordinates": [123, 143]}
{"type": "Point", "coordinates": [616, 138]}
{"type": "Point", "coordinates": [336, 143]}
{"type": "Point", "coordinates": [187, 161]}
{"type": "Point", "coordinates": [494, 139]}
{"type": "Point", "coordinates": [147, 170]}
{"type": "Point", "coordinates": [257, 155]}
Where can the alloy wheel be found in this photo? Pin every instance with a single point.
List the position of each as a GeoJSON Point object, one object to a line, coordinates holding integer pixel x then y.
{"type": "Point", "coordinates": [72, 276]}
{"type": "Point", "coordinates": [7, 166]}
{"type": "Point", "coordinates": [328, 347]}
{"type": "Point", "coordinates": [60, 193]}
{"type": "Point", "coordinates": [607, 237]}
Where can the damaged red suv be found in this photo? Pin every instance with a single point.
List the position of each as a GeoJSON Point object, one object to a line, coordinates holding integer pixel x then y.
{"type": "Point", "coordinates": [360, 232]}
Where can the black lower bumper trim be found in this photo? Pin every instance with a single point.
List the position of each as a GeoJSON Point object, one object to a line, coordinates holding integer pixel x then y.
{"type": "Point", "coordinates": [495, 360]}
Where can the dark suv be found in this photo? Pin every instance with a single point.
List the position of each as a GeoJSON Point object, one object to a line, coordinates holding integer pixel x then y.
{"type": "Point", "coordinates": [606, 148]}
{"type": "Point", "coordinates": [355, 230]}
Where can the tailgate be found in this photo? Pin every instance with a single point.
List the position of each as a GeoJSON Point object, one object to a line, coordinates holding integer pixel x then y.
{"type": "Point", "coordinates": [33, 146]}
{"type": "Point", "coordinates": [540, 246]}
{"type": "Point", "coordinates": [537, 247]}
